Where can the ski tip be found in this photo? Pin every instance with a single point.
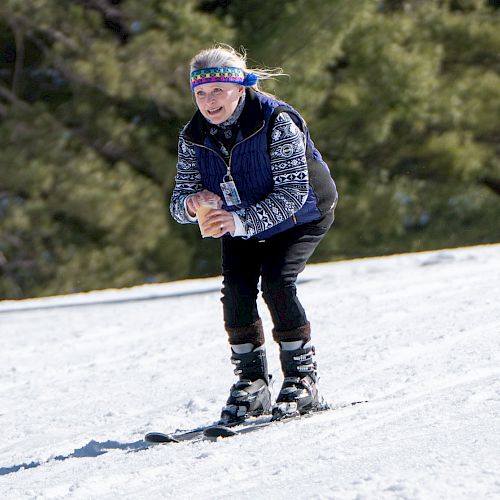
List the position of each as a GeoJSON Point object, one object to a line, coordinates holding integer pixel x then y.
{"type": "Point", "coordinates": [217, 431]}
{"type": "Point", "coordinates": [159, 437]}
{"type": "Point", "coordinates": [354, 403]}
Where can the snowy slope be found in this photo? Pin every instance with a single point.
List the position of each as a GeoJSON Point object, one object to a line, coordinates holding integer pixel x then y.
{"type": "Point", "coordinates": [83, 377]}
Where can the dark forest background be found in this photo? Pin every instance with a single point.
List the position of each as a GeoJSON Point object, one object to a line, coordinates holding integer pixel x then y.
{"type": "Point", "coordinates": [402, 98]}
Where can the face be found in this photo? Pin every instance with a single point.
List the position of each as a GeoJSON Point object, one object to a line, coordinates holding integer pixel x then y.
{"type": "Point", "coordinates": [217, 101]}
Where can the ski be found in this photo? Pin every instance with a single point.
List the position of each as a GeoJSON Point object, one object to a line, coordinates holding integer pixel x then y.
{"type": "Point", "coordinates": [197, 433]}
{"type": "Point", "coordinates": [175, 437]}
{"type": "Point", "coordinates": [216, 431]}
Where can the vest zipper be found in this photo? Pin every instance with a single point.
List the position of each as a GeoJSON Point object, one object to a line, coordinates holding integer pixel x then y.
{"type": "Point", "coordinates": [232, 149]}
{"type": "Point", "coordinates": [206, 147]}
{"type": "Point", "coordinates": [242, 141]}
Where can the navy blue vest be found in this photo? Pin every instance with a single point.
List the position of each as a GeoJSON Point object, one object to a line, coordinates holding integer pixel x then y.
{"type": "Point", "coordinates": [251, 165]}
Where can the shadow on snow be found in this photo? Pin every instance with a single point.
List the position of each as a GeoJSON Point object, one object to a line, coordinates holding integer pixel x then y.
{"type": "Point", "coordinates": [91, 449]}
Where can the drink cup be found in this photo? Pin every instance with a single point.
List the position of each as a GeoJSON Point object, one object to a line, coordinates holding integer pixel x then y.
{"type": "Point", "coordinates": [202, 212]}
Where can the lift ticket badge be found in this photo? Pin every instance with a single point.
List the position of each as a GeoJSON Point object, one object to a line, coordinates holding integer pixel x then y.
{"type": "Point", "coordinates": [230, 192]}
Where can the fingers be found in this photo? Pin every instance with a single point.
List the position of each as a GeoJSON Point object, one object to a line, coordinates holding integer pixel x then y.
{"type": "Point", "coordinates": [218, 222]}
{"type": "Point", "coordinates": [194, 201]}
{"type": "Point", "coordinates": [206, 195]}
{"type": "Point", "coordinates": [191, 205]}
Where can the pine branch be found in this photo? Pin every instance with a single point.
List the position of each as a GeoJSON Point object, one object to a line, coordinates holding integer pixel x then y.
{"type": "Point", "coordinates": [113, 18]}
{"type": "Point", "coordinates": [492, 183]}
{"type": "Point", "coordinates": [112, 153]}
{"type": "Point", "coordinates": [19, 62]}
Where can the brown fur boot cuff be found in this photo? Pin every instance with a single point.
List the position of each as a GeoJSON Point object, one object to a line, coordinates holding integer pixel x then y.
{"type": "Point", "coordinates": [253, 333]}
{"type": "Point", "coordinates": [302, 333]}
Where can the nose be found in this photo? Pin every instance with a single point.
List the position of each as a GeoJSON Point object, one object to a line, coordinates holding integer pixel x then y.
{"type": "Point", "coordinates": [210, 97]}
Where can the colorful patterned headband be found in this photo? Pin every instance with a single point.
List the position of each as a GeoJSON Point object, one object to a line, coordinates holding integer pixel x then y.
{"type": "Point", "coordinates": [224, 74]}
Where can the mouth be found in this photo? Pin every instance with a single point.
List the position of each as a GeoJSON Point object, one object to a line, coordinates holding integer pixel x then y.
{"type": "Point", "coordinates": [214, 111]}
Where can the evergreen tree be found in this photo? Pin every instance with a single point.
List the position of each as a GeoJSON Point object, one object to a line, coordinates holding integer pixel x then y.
{"type": "Point", "coordinates": [92, 96]}
{"type": "Point", "coordinates": [414, 103]}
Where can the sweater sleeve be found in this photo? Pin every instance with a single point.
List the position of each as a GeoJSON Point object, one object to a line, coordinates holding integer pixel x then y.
{"type": "Point", "coordinates": [291, 181]}
{"type": "Point", "coordinates": [187, 181]}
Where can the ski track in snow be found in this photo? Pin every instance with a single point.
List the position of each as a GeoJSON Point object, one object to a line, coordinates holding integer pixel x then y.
{"type": "Point", "coordinates": [83, 377]}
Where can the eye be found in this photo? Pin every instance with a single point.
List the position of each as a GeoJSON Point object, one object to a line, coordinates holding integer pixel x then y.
{"type": "Point", "coordinates": [200, 94]}
{"type": "Point", "coordinates": [217, 91]}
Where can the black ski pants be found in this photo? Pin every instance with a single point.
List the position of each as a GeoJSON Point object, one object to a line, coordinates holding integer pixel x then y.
{"type": "Point", "coordinates": [277, 261]}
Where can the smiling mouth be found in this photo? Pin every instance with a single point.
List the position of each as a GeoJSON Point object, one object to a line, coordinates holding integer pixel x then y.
{"type": "Point", "coordinates": [214, 111]}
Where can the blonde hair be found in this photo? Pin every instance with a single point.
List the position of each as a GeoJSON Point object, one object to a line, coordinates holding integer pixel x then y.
{"type": "Point", "coordinates": [225, 55]}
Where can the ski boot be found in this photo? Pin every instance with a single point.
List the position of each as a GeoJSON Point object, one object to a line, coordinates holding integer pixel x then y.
{"type": "Point", "coordinates": [299, 392]}
{"type": "Point", "coordinates": [250, 395]}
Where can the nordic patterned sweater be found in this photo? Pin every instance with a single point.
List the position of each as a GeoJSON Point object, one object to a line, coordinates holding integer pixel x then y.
{"type": "Point", "coordinates": [290, 188]}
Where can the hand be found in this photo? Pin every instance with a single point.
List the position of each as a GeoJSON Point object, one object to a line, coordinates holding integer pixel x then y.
{"type": "Point", "coordinates": [193, 201]}
{"type": "Point", "coordinates": [218, 222]}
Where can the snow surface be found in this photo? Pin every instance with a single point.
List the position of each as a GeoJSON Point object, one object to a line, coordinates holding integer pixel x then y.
{"type": "Point", "coordinates": [83, 377]}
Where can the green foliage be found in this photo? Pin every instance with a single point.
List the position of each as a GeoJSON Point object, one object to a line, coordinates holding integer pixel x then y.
{"type": "Point", "coordinates": [410, 126]}
{"type": "Point", "coordinates": [88, 140]}
{"type": "Point", "coordinates": [402, 98]}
